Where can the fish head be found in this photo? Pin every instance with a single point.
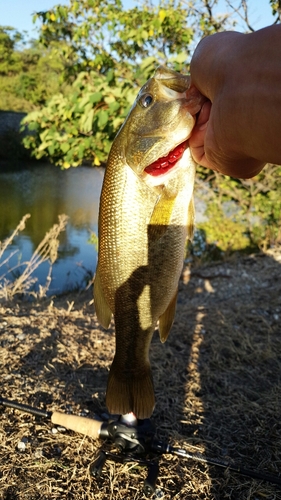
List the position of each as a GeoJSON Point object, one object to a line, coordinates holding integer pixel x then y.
{"type": "Point", "coordinates": [155, 134]}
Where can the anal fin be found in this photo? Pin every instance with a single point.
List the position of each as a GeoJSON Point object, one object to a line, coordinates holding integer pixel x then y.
{"type": "Point", "coordinates": [190, 219]}
{"type": "Point", "coordinates": [167, 318]}
{"type": "Point", "coordinates": [102, 308]}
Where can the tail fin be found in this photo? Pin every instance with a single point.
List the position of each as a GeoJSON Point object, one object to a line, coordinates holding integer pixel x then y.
{"type": "Point", "coordinates": [130, 393]}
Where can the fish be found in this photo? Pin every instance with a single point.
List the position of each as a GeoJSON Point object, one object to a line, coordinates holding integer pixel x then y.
{"type": "Point", "coordinates": [146, 214]}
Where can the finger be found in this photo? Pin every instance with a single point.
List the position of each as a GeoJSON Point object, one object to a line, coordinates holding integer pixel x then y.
{"type": "Point", "coordinates": [199, 156]}
{"type": "Point", "coordinates": [204, 115]}
{"type": "Point", "coordinates": [195, 100]}
{"type": "Point", "coordinates": [197, 139]}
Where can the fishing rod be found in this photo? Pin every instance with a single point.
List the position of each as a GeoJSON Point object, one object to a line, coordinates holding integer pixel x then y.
{"type": "Point", "coordinates": [136, 442]}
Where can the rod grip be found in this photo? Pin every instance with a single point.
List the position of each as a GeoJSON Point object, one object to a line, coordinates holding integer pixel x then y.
{"type": "Point", "coordinates": [84, 425]}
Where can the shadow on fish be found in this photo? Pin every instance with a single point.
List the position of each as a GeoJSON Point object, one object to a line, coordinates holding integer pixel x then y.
{"type": "Point", "coordinates": [146, 214]}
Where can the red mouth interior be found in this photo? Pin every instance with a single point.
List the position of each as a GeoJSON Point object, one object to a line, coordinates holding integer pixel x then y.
{"type": "Point", "coordinates": [164, 164]}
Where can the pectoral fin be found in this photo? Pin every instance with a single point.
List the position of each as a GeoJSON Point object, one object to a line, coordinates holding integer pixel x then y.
{"type": "Point", "coordinates": [103, 311]}
{"type": "Point", "coordinates": [190, 219]}
{"type": "Point", "coordinates": [160, 217]}
{"type": "Point", "coordinates": [167, 318]}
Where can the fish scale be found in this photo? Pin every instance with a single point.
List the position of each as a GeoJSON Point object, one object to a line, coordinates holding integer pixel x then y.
{"type": "Point", "coordinates": [143, 225]}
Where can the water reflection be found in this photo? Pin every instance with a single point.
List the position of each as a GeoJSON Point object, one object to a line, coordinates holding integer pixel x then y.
{"type": "Point", "coordinates": [45, 192]}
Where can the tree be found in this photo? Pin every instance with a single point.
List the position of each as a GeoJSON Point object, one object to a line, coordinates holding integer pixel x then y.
{"type": "Point", "coordinates": [10, 60]}
{"type": "Point", "coordinates": [98, 34]}
{"type": "Point", "coordinates": [29, 73]}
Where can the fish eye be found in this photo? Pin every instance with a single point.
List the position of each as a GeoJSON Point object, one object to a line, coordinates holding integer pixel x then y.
{"type": "Point", "coordinates": [146, 100]}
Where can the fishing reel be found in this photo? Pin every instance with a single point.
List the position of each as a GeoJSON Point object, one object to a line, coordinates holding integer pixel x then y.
{"type": "Point", "coordinates": [134, 440]}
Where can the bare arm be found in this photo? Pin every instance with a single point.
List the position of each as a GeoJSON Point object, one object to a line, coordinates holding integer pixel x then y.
{"type": "Point", "coordinates": [239, 128]}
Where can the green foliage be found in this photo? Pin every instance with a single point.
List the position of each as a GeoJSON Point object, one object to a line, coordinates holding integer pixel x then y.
{"type": "Point", "coordinates": [81, 125]}
{"type": "Point", "coordinates": [29, 76]}
{"type": "Point", "coordinates": [243, 213]}
{"type": "Point", "coordinates": [276, 7]}
{"type": "Point", "coordinates": [10, 60]}
{"type": "Point", "coordinates": [224, 232]}
{"type": "Point", "coordinates": [98, 34]}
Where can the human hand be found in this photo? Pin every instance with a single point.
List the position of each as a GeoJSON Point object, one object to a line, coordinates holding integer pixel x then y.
{"type": "Point", "coordinates": [236, 131]}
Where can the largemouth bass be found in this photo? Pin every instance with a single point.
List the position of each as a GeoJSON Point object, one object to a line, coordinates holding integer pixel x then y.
{"type": "Point", "coordinates": [146, 213]}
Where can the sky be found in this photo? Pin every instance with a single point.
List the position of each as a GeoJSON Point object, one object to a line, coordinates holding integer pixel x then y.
{"type": "Point", "coordinates": [18, 13]}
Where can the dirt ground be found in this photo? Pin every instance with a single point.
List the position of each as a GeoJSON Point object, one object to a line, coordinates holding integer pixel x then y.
{"type": "Point", "coordinates": [217, 384]}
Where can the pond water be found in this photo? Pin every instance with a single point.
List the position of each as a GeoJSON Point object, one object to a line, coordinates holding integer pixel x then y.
{"type": "Point", "coordinates": [44, 192]}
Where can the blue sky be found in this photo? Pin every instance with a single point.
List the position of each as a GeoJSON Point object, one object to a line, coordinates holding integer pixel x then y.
{"type": "Point", "coordinates": [18, 13]}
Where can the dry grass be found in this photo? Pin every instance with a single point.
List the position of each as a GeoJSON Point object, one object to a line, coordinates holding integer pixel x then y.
{"type": "Point", "coordinates": [19, 279]}
{"type": "Point", "coordinates": [217, 382]}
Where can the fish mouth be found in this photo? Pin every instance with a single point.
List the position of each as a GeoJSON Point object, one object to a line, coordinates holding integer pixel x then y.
{"type": "Point", "coordinates": [166, 163]}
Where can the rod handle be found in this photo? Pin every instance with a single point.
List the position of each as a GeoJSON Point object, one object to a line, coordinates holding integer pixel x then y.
{"type": "Point", "coordinates": [84, 425]}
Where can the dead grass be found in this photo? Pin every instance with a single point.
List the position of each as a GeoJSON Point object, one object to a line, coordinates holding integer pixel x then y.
{"type": "Point", "coordinates": [217, 382]}
{"type": "Point", "coordinates": [19, 279]}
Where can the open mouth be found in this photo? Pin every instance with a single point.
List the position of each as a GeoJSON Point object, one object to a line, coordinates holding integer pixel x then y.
{"type": "Point", "coordinates": [166, 163]}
